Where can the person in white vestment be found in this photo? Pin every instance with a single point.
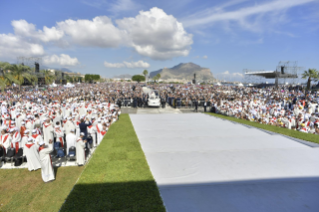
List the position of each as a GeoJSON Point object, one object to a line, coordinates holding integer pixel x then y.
{"type": "Point", "coordinates": [16, 139]}
{"type": "Point", "coordinates": [31, 151]}
{"type": "Point", "coordinates": [48, 132]}
{"type": "Point", "coordinates": [59, 134]}
{"type": "Point", "coordinates": [70, 140]}
{"type": "Point", "coordinates": [47, 170]}
{"type": "Point", "coordinates": [68, 126]}
{"type": "Point", "coordinates": [5, 140]}
{"type": "Point", "coordinates": [37, 138]}
{"type": "Point", "coordinates": [98, 131]}
{"type": "Point", "coordinates": [24, 141]}
{"type": "Point", "coordinates": [80, 150]}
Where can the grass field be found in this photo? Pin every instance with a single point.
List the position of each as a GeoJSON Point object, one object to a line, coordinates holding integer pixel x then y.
{"type": "Point", "coordinates": [21, 190]}
{"type": "Point", "coordinates": [118, 177]}
{"type": "Point", "coordinates": [284, 131]}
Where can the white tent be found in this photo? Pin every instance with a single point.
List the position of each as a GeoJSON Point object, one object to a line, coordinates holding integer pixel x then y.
{"type": "Point", "coordinates": [240, 85]}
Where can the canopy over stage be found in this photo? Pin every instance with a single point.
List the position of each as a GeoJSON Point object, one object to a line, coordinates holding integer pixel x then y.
{"type": "Point", "coordinates": [271, 74]}
{"type": "Point", "coordinates": [285, 70]}
{"type": "Point", "coordinates": [202, 163]}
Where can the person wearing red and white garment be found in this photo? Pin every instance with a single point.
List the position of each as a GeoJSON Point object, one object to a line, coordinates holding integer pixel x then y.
{"type": "Point", "coordinates": [4, 117]}
{"type": "Point", "coordinates": [80, 150]}
{"type": "Point", "coordinates": [98, 130]}
{"type": "Point", "coordinates": [24, 141]}
{"type": "Point", "coordinates": [59, 134]}
{"type": "Point", "coordinates": [31, 152]}
{"type": "Point", "coordinates": [16, 139]}
{"type": "Point", "coordinates": [47, 170]}
{"type": "Point", "coordinates": [47, 132]}
{"type": "Point", "coordinates": [37, 138]}
{"type": "Point", "coordinates": [104, 130]}
{"type": "Point", "coordinates": [7, 122]}
{"type": "Point", "coordinates": [5, 139]}
{"type": "Point", "coordinates": [92, 131]}
{"type": "Point", "coordinates": [304, 128]}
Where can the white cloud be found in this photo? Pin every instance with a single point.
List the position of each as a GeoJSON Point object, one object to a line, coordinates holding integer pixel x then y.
{"type": "Point", "coordinates": [138, 64]}
{"type": "Point", "coordinates": [100, 32]}
{"type": "Point", "coordinates": [12, 46]}
{"type": "Point", "coordinates": [156, 35]}
{"type": "Point", "coordinates": [151, 33]}
{"type": "Point", "coordinates": [25, 29]}
{"type": "Point", "coordinates": [275, 10]}
{"type": "Point", "coordinates": [63, 60]}
{"type": "Point", "coordinates": [114, 65]}
{"type": "Point", "coordinates": [205, 57]}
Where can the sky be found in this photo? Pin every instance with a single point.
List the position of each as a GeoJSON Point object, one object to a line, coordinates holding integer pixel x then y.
{"type": "Point", "coordinates": [115, 37]}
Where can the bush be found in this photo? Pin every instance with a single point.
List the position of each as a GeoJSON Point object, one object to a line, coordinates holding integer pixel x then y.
{"type": "Point", "coordinates": [138, 78]}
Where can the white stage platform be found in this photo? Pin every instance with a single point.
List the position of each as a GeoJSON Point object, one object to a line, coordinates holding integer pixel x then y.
{"type": "Point", "coordinates": [202, 163]}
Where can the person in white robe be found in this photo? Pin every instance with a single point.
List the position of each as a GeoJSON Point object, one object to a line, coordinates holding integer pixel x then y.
{"type": "Point", "coordinates": [68, 126]}
{"type": "Point", "coordinates": [16, 139]}
{"type": "Point", "coordinates": [59, 134]}
{"type": "Point", "coordinates": [80, 150]}
{"type": "Point", "coordinates": [5, 139]}
{"type": "Point", "coordinates": [36, 137]}
{"type": "Point", "coordinates": [48, 132]}
{"type": "Point", "coordinates": [24, 141]}
{"type": "Point", "coordinates": [92, 131]}
{"type": "Point", "coordinates": [98, 131]}
{"type": "Point", "coordinates": [47, 170]}
{"type": "Point", "coordinates": [31, 151]}
{"type": "Point", "coordinates": [70, 140]}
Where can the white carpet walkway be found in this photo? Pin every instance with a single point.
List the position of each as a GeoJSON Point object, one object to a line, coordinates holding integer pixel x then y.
{"type": "Point", "coordinates": [202, 163]}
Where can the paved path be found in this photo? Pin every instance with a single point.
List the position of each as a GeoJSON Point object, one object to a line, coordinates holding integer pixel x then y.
{"type": "Point", "coordinates": [202, 163]}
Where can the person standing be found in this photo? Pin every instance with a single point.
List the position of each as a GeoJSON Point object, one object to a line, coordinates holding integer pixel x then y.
{"type": "Point", "coordinates": [70, 140]}
{"type": "Point", "coordinates": [196, 105]}
{"type": "Point", "coordinates": [5, 140]}
{"type": "Point", "coordinates": [47, 170]}
{"type": "Point", "coordinates": [47, 132]}
{"type": "Point", "coordinates": [31, 151]}
{"type": "Point", "coordinates": [205, 105]}
{"type": "Point", "coordinates": [80, 150]}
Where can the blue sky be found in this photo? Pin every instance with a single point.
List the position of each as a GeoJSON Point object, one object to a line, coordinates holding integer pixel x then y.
{"type": "Point", "coordinates": [127, 36]}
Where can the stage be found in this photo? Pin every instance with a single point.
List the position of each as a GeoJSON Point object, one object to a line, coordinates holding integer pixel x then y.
{"type": "Point", "coordinates": [202, 163]}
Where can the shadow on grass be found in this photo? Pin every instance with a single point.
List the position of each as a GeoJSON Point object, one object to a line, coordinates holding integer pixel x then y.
{"type": "Point", "coordinates": [125, 197]}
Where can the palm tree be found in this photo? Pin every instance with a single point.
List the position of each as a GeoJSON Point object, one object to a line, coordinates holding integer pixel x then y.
{"type": "Point", "coordinates": [145, 73]}
{"type": "Point", "coordinates": [20, 72]}
{"type": "Point", "coordinates": [48, 76]}
{"type": "Point", "coordinates": [312, 75]}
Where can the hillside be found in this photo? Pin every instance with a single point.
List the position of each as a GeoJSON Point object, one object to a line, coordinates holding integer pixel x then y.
{"type": "Point", "coordinates": [184, 71]}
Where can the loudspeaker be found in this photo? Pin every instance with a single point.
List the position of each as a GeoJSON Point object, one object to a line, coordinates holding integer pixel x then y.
{"type": "Point", "coordinates": [194, 76]}
{"type": "Point", "coordinates": [282, 69]}
{"type": "Point", "coordinates": [41, 81]}
{"type": "Point", "coordinates": [63, 82]}
{"type": "Point", "coordinates": [62, 75]}
{"type": "Point", "coordinates": [26, 82]}
{"type": "Point", "coordinates": [37, 67]}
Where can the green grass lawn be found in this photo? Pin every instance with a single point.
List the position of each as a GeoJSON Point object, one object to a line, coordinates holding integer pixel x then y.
{"type": "Point", "coordinates": [118, 177]}
{"type": "Point", "coordinates": [284, 131]}
{"type": "Point", "coordinates": [21, 190]}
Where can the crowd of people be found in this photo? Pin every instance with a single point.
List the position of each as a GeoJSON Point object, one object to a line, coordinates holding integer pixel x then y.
{"type": "Point", "coordinates": [56, 122]}
{"type": "Point", "coordinates": [42, 121]}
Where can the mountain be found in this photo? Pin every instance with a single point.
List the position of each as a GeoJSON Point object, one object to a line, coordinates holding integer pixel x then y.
{"type": "Point", "coordinates": [184, 71]}
{"type": "Point", "coordinates": [123, 76]}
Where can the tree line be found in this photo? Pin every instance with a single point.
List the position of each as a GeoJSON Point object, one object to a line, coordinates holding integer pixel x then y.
{"type": "Point", "coordinates": [17, 74]}
{"type": "Point", "coordinates": [140, 78]}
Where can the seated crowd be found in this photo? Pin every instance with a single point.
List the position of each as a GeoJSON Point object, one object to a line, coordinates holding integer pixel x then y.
{"type": "Point", "coordinates": [68, 127]}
